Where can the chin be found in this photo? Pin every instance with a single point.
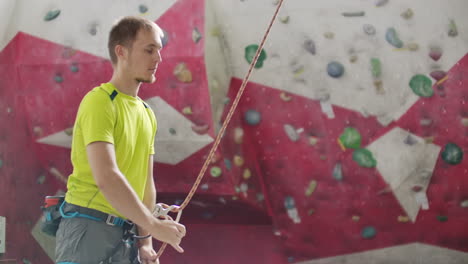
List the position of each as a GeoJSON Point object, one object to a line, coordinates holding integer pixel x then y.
{"type": "Point", "coordinates": [152, 79]}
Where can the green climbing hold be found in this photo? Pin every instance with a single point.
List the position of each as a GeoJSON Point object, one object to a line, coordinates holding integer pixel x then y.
{"type": "Point", "coordinates": [250, 52]}
{"type": "Point", "coordinates": [51, 15]}
{"type": "Point", "coordinates": [376, 67]}
{"type": "Point", "coordinates": [368, 232]}
{"type": "Point", "coordinates": [58, 78]}
{"type": "Point", "coordinates": [421, 85]}
{"type": "Point", "coordinates": [351, 138]}
{"type": "Point", "coordinates": [215, 172]}
{"type": "Point", "coordinates": [364, 158]}
{"type": "Point", "coordinates": [1, 163]}
{"type": "Point", "coordinates": [452, 154]}
{"type": "Point", "coordinates": [172, 131]}
{"type": "Point", "coordinates": [442, 218]}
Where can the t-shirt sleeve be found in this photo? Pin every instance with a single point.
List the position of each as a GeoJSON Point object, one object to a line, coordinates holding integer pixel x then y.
{"type": "Point", "coordinates": [155, 130]}
{"type": "Point", "coordinates": [97, 118]}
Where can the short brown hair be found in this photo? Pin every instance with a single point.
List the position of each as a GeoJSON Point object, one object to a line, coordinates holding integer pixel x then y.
{"type": "Point", "coordinates": [124, 33]}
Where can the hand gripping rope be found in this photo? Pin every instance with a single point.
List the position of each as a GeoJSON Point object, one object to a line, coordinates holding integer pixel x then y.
{"type": "Point", "coordinates": [162, 210]}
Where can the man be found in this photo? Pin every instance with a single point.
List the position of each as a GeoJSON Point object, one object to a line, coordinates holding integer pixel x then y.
{"type": "Point", "coordinates": [112, 157]}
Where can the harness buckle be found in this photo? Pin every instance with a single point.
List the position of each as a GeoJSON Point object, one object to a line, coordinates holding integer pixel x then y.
{"type": "Point", "coordinates": [111, 219]}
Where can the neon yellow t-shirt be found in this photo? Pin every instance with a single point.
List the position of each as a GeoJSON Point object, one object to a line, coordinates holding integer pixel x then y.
{"type": "Point", "coordinates": [105, 114]}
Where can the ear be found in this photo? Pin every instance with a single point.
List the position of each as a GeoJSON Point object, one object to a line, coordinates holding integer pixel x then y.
{"type": "Point", "coordinates": [121, 52]}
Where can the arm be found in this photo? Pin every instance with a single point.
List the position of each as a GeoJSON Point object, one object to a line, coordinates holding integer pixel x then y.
{"type": "Point", "coordinates": [119, 193]}
{"type": "Point", "coordinates": [149, 200]}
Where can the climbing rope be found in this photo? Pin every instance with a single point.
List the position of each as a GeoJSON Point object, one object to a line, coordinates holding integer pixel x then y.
{"type": "Point", "coordinates": [163, 209]}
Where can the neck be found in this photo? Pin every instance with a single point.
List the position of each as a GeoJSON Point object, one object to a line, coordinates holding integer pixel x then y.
{"type": "Point", "coordinates": [125, 84]}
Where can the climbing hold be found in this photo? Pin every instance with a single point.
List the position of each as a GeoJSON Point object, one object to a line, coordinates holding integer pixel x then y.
{"type": "Point", "coordinates": [228, 164]}
{"type": "Point", "coordinates": [376, 67]}
{"type": "Point", "coordinates": [244, 187]}
{"type": "Point", "coordinates": [329, 35]}
{"type": "Point", "coordinates": [392, 37]}
{"type": "Point", "coordinates": [172, 131]}
{"type": "Point", "coordinates": [196, 35]}
{"type": "Point", "coordinates": [260, 197]}
{"type": "Point", "coordinates": [408, 14]}
{"type": "Point", "coordinates": [452, 154]}
{"type": "Point", "coordinates": [41, 179]}
{"type": "Point", "coordinates": [58, 78]}
{"type": "Point", "coordinates": [204, 187]}
{"type": "Point", "coordinates": [143, 9]}
{"type": "Point", "coordinates": [1, 163]}
{"type": "Point", "coordinates": [68, 52]}
{"type": "Point", "coordinates": [284, 19]}
{"type": "Point", "coordinates": [93, 29]}
{"type": "Point", "coordinates": [246, 174]}
{"type": "Point", "coordinates": [364, 158]}
{"type": "Point", "coordinates": [413, 46]}
{"type": "Point", "coordinates": [464, 121]}
{"type": "Point", "coordinates": [438, 75]}
{"type": "Point", "coordinates": [165, 38]}
{"type": "Point", "coordinates": [350, 138]}
{"type": "Point", "coordinates": [182, 73]}
{"type": "Point", "coordinates": [51, 15]}
{"type": "Point", "coordinates": [464, 204]}
{"type": "Point", "coordinates": [290, 206]}
{"type": "Point", "coordinates": [356, 218]}
{"type": "Point", "coordinates": [216, 157]}
{"type": "Point", "coordinates": [368, 232]}
{"type": "Point", "coordinates": [285, 97]}
{"type": "Point", "coordinates": [250, 52]}
{"type": "Point", "coordinates": [238, 135]}
{"type": "Point", "coordinates": [378, 84]}
{"type": "Point", "coordinates": [69, 131]}
{"type": "Point", "coordinates": [313, 140]}
{"type": "Point", "coordinates": [435, 53]}
{"type": "Point", "coordinates": [354, 14]}
{"type": "Point", "coordinates": [337, 172]}
{"type": "Point", "coordinates": [421, 85]}
{"type": "Point", "coordinates": [310, 212]}
{"type": "Point", "coordinates": [311, 188]}
{"type": "Point", "coordinates": [200, 129]}
{"type": "Point", "coordinates": [379, 3]}
{"type": "Point", "coordinates": [442, 218]}
{"type": "Point", "coordinates": [252, 117]}
{"type": "Point", "coordinates": [187, 110]}
{"type": "Point", "coordinates": [74, 68]}
{"type": "Point", "coordinates": [453, 31]}
{"type": "Point", "coordinates": [292, 133]}
{"type": "Point", "coordinates": [238, 160]}
{"type": "Point", "coordinates": [353, 58]}
{"type": "Point", "coordinates": [410, 140]}
{"type": "Point", "coordinates": [403, 219]}
{"type": "Point", "coordinates": [215, 171]}
{"type": "Point", "coordinates": [369, 29]}
{"type": "Point", "coordinates": [425, 122]}
{"type": "Point", "coordinates": [309, 45]}
{"type": "Point", "coordinates": [417, 188]}
{"type": "Point", "coordinates": [335, 69]}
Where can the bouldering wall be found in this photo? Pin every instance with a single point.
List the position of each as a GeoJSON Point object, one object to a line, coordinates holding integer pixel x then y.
{"type": "Point", "coordinates": [348, 144]}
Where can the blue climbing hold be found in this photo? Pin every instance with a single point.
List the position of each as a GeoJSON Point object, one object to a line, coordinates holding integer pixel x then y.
{"type": "Point", "coordinates": [335, 69]}
{"type": "Point", "coordinates": [252, 117]}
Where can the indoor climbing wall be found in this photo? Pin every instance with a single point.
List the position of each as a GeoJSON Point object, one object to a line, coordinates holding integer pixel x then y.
{"type": "Point", "coordinates": [348, 143]}
{"type": "Point", "coordinates": [355, 122]}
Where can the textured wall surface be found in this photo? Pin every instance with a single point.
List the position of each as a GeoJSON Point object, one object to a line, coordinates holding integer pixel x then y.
{"type": "Point", "coordinates": [347, 146]}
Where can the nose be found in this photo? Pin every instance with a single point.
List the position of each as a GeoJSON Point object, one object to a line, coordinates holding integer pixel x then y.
{"type": "Point", "coordinates": [158, 57]}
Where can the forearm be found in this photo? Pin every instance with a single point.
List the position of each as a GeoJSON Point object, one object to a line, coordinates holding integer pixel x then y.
{"type": "Point", "coordinates": [121, 196]}
{"type": "Point", "coordinates": [149, 201]}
